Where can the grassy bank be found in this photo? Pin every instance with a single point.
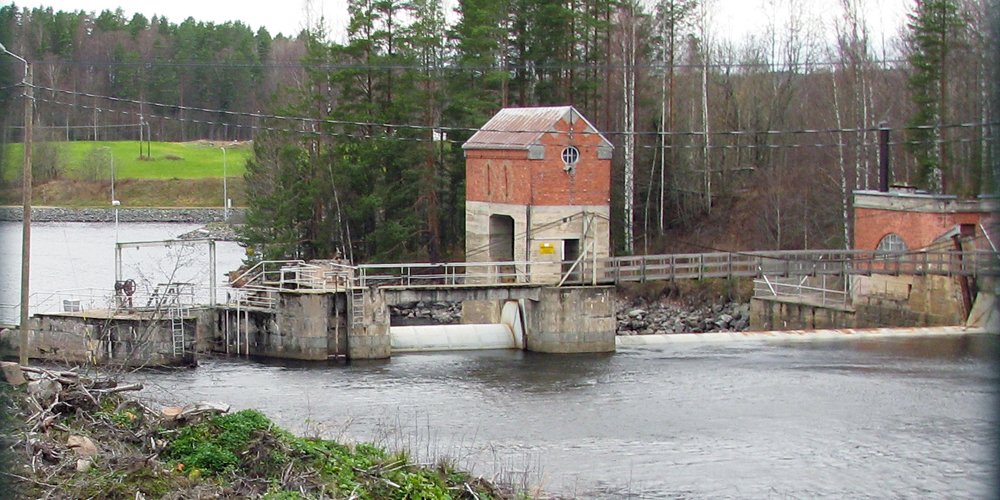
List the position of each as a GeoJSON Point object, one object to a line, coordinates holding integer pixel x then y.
{"type": "Point", "coordinates": [78, 174]}
{"type": "Point", "coordinates": [89, 160]}
{"type": "Point", "coordinates": [131, 193]}
{"type": "Point", "coordinates": [92, 443]}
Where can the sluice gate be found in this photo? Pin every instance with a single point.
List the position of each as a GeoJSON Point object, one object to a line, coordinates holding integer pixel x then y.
{"type": "Point", "coordinates": [508, 334]}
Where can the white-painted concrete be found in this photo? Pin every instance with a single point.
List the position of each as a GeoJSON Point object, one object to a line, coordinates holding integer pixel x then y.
{"type": "Point", "coordinates": [794, 335]}
{"type": "Point", "coordinates": [451, 338]}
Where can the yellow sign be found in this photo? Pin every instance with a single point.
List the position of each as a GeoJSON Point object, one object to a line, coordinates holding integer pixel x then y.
{"type": "Point", "coordinates": [546, 249]}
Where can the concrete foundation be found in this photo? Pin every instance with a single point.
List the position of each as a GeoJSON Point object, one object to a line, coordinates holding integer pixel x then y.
{"type": "Point", "coordinates": [318, 326]}
{"type": "Point", "coordinates": [127, 340]}
{"type": "Point", "coordinates": [475, 312]}
{"type": "Point", "coordinates": [370, 339]}
{"type": "Point", "coordinates": [772, 313]}
{"type": "Point", "coordinates": [305, 326]}
{"type": "Point", "coordinates": [882, 300]}
{"type": "Point", "coordinates": [572, 320]}
{"type": "Point", "coordinates": [878, 301]}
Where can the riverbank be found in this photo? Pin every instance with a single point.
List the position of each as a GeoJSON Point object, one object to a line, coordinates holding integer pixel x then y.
{"type": "Point", "coordinates": [73, 436]}
{"type": "Point", "coordinates": [63, 214]}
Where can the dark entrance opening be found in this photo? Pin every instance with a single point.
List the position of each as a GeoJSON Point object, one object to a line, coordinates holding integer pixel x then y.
{"type": "Point", "coordinates": [571, 252]}
{"type": "Point", "coordinates": [502, 245]}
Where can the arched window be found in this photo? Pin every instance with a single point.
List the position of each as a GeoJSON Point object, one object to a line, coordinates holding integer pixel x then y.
{"type": "Point", "coordinates": [570, 156]}
{"type": "Point", "coordinates": [891, 243]}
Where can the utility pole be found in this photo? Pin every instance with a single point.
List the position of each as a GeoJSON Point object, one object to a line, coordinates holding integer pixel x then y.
{"type": "Point", "coordinates": [225, 189]}
{"type": "Point", "coordinates": [29, 91]}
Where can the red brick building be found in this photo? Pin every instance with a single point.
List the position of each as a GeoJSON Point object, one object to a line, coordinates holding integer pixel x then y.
{"type": "Point", "coordinates": [538, 189]}
{"type": "Point", "coordinates": [904, 219]}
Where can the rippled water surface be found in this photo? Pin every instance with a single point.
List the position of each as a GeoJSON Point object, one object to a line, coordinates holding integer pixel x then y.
{"type": "Point", "coordinates": [909, 418]}
{"type": "Point", "coordinates": [876, 418]}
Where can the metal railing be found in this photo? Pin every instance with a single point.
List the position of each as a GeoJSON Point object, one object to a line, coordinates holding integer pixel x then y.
{"type": "Point", "coordinates": [258, 287]}
{"type": "Point", "coordinates": [800, 292]}
{"type": "Point", "coordinates": [446, 273]}
{"type": "Point", "coordinates": [296, 274]}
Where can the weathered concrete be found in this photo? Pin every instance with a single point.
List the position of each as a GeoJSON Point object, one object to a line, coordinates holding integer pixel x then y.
{"type": "Point", "coordinates": [458, 293]}
{"type": "Point", "coordinates": [549, 226]}
{"type": "Point", "coordinates": [775, 313]}
{"type": "Point", "coordinates": [572, 320]}
{"type": "Point", "coordinates": [476, 312]}
{"type": "Point", "coordinates": [126, 339]}
{"type": "Point", "coordinates": [371, 339]}
{"type": "Point", "coordinates": [305, 326]}
{"type": "Point", "coordinates": [878, 301]}
{"type": "Point", "coordinates": [882, 300]}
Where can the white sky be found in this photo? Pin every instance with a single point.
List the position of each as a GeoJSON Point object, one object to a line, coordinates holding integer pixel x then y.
{"type": "Point", "coordinates": [732, 19]}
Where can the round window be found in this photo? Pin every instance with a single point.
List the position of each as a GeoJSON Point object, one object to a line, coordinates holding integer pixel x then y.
{"type": "Point", "coordinates": [570, 155]}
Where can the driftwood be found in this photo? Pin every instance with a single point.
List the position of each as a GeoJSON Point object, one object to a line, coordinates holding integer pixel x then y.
{"type": "Point", "coordinates": [74, 423]}
{"type": "Point", "coordinates": [193, 411]}
{"type": "Point", "coordinates": [120, 388]}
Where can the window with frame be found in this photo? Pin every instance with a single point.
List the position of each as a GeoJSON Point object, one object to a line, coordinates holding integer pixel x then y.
{"type": "Point", "coordinates": [570, 155]}
{"type": "Point", "coordinates": [891, 243]}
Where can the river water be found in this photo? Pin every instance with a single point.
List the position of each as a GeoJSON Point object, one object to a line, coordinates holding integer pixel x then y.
{"type": "Point", "coordinates": [876, 418]}
{"type": "Point", "coordinates": [871, 418]}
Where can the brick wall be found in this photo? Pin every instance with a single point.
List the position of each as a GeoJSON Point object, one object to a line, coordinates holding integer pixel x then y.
{"type": "Point", "coordinates": [918, 229]}
{"type": "Point", "coordinates": [508, 176]}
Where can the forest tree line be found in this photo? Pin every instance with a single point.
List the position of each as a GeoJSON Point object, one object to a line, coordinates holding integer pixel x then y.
{"type": "Point", "coordinates": [357, 143]}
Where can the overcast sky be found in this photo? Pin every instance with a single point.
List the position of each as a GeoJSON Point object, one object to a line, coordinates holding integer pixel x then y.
{"type": "Point", "coordinates": [731, 18]}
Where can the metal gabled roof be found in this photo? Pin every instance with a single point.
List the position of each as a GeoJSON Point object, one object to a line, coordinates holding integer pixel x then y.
{"type": "Point", "coordinates": [522, 128]}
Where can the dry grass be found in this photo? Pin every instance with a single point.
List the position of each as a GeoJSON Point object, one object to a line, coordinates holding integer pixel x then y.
{"type": "Point", "coordinates": [131, 192]}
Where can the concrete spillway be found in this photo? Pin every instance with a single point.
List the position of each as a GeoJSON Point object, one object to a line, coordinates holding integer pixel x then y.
{"type": "Point", "coordinates": [508, 334]}
{"type": "Point", "coordinates": [794, 335]}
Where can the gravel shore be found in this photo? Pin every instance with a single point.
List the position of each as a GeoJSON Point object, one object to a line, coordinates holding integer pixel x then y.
{"type": "Point", "coordinates": [62, 214]}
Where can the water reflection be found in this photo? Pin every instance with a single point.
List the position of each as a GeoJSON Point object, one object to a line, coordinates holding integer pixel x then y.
{"type": "Point", "coordinates": [856, 418]}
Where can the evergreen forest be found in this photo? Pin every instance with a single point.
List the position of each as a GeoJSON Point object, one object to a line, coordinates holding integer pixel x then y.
{"type": "Point", "coordinates": [738, 144]}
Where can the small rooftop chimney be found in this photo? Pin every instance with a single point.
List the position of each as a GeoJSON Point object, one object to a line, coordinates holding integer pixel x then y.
{"type": "Point", "coordinates": [883, 157]}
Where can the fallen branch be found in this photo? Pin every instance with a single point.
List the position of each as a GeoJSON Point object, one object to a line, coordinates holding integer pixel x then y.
{"type": "Point", "coordinates": [28, 479]}
{"type": "Point", "coordinates": [122, 388]}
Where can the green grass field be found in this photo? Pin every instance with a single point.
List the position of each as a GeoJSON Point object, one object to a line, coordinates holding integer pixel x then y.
{"type": "Point", "coordinates": [88, 160]}
{"type": "Point", "coordinates": [175, 175]}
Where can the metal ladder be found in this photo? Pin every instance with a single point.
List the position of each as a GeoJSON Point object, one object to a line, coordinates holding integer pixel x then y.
{"type": "Point", "coordinates": [357, 307]}
{"type": "Point", "coordinates": [176, 312]}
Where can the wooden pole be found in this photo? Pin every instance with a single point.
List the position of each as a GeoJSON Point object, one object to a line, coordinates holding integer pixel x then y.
{"type": "Point", "coordinates": [24, 327]}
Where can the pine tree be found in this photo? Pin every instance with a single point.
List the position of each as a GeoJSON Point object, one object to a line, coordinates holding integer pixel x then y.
{"type": "Point", "coordinates": [935, 27]}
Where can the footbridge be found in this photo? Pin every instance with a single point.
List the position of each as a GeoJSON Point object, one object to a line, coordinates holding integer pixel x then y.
{"type": "Point", "coordinates": [319, 310]}
{"type": "Point", "coordinates": [562, 307]}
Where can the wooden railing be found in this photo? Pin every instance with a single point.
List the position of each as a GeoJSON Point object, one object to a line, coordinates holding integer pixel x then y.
{"type": "Point", "coordinates": [787, 264]}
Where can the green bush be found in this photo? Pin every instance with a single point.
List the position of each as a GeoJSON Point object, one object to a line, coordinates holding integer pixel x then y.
{"type": "Point", "coordinates": [214, 446]}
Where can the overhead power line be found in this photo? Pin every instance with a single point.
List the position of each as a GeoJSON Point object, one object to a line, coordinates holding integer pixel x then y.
{"type": "Point", "coordinates": [530, 66]}
{"type": "Point", "coordinates": [431, 128]}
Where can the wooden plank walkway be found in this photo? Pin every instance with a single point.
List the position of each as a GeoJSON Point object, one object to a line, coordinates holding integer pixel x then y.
{"type": "Point", "coordinates": [670, 267]}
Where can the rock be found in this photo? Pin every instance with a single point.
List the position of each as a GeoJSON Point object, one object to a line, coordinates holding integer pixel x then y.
{"type": "Point", "coordinates": [12, 372]}
{"type": "Point", "coordinates": [83, 464]}
{"type": "Point", "coordinates": [82, 446]}
{"type": "Point", "coordinates": [725, 319]}
{"type": "Point", "coordinates": [636, 313]}
{"type": "Point", "coordinates": [44, 390]}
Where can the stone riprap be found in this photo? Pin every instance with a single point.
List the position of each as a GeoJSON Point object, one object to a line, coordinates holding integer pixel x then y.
{"type": "Point", "coordinates": [62, 214]}
{"type": "Point", "coordinates": [635, 316]}
{"type": "Point", "coordinates": [427, 313]}
{"type": "Point", "coordinates": [641, 317]}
